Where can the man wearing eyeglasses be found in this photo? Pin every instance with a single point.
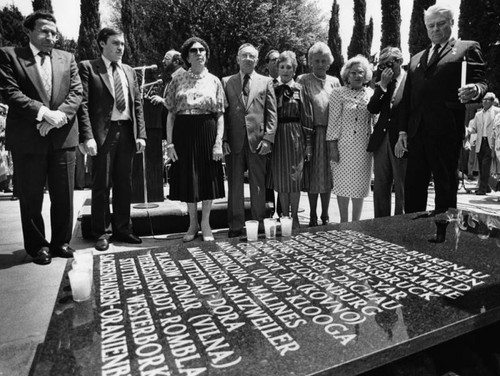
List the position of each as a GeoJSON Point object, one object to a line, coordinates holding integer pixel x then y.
{"type": "Point", "coordinates": [433, 111]}
{"type": "Point", "coordinates": [43, 90]}
{"type": "Point", "coordinates": [389, 171]}
{"type": "Point", "coordinates": [250, 123]}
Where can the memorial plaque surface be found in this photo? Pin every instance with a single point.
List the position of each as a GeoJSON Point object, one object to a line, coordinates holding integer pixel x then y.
{"type": "Point", "coordinates": [340, 300]}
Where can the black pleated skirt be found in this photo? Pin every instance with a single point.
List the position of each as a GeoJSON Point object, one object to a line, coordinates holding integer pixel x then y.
{"type": "Point", "coordinates": [195, 176]}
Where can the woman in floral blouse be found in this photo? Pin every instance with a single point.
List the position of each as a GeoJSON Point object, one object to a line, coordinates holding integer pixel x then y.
{"type": "Point", "coordinates": [195, 125]}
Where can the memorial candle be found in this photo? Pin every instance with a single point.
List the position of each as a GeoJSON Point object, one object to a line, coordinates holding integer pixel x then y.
{"type": "Point", "coordinates": [464, 72]}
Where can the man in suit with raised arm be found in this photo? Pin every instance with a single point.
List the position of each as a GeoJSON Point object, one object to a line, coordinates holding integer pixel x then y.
{"type": "Point", "coordinates": [112, 130]}
{"type": "Point", "coordinates": [389, 171]}
{"type": "Point", "coordinates": [250, 123]}
{"type": "Point", "coordinates": [42, 88]}
{"type": "Point", "coordinates": [433, 111]}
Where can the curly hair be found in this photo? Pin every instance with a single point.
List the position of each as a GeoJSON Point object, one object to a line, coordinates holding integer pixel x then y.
{"type": "Point", "coordinates": [187, 45]}
{"type": "Point", "coordinates": [363, 62]}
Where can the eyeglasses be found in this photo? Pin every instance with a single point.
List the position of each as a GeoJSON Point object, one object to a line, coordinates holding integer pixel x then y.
{"type": "Point", "coordinates": [356, 73]}
{"type": "Point", "coordinates": [388, 64]}
{"type": "Point", "coordinates": [195, 50]}
{"type": "Point", "coordinates": [49, 33]}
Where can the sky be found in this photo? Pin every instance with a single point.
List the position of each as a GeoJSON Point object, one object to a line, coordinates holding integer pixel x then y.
{"type": "Point", "coordinates": [67, 13]}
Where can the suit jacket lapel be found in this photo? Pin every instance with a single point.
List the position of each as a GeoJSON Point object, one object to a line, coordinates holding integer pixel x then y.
{"type": "Point", "coordinates": [237, 87]}
{"type": "Point", "coordinates": [28, 61]}
{"type": "Point", "coordinates": [425, 58]}
{"type": "Point", "coordinates": [254, 84]}
{"type": "Point", "coordinates": [103, 72]}
{"type": "Point", "coordinates": [130, 79]}
{"type": "Point", "coordinates": [57, 71]}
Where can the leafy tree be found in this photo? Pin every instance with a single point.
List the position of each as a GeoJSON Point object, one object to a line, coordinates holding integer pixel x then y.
{"type": "Point", "coordinates": [11, 27]}
{"type": "Point", "coordinates": [335, 42]}
{"type": "Point", "coordinates": [391, 24]}
{"type": "Point", "coordinates": [418, 33]}
{"type": "Point", "coordinates": [224, 24]}
{"type": "Point", "coordinates": [358, 39]}
{"type": "Point", "coordinates": [89, 28]}
{"type": "Point", "coordinates": [45, 5]}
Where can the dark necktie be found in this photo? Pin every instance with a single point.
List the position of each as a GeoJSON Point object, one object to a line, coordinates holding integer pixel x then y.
{"type": "Point", "coordinates": [275, 81]}
{"type": "Point", "coordinates": [119, 96]}
{"type": "Point", "coordinates": [435, 55]}
{"type": "Point", "coordinates": [246, 89]}
{"type": "Point", "coordinates": [46, 72]}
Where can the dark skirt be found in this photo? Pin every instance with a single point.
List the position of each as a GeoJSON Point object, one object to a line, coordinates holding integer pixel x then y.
{"type": "Point", "coordinates": [195, 176]}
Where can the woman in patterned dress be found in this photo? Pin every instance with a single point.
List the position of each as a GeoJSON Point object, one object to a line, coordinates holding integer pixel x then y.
{"type": "Point", "coordinates": [195, 124]}
{"type": "Point", "coordinates": [317, 178]}
{"type": "Point", "coordinates": [292, 143]}
{"type": "Point", "coordinates": [349, 128]}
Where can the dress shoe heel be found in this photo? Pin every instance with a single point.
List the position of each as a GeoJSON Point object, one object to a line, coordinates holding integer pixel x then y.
{"type": "Point", "coordinates": [325, 220]}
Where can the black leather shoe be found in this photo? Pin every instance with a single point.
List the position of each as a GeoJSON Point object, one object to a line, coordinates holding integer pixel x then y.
{"type": "Point", "coordinates": [129, 238]}
{"type": "Point", "coordinates": [325, 220]}
{"type": "Point", "coordinates": [102, 244]}
{"type": "Point", "coordinates": [42, 257]}
{"type": "Point", "coordinates": [234, 233]}
{"type": "Point", "coordinates": [480, 193]}
{"type": "Point", "coordinates": [65, 251]}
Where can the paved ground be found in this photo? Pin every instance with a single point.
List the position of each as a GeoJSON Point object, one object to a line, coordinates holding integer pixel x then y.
{"type": "Point", "coordinates": [28, 291]}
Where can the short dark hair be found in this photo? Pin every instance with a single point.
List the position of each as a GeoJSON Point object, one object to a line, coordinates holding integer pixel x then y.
{"type": "Point", "coordinates": [105, 33]}
{"type": "Point", "coordinates": [187, 45]}
{"type": "Point", "coordinates": [30, 21]}
{"type": "Point", "coordinates": [268, 55]}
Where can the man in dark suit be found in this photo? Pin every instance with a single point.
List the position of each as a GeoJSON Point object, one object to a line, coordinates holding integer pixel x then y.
{"type": "Point", "coordinates": [112, 129]}
{"type": "Point", "coordinates": [250, 123]}
{"type": "Point", "coordinates": [389, 171]}
{"type": "Point", "coordinates": [433, 114]}
{"type": "Point", "coordinates": [42, 88]}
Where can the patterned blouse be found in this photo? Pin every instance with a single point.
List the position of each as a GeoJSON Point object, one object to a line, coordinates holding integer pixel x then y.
{"type": "Point", "coordinates": [189, 93]}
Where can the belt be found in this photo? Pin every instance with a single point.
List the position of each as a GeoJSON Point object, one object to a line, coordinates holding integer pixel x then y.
{"type": "Point", "coordinates": [121, 122]}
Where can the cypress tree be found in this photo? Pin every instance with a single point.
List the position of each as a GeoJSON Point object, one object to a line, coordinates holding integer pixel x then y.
{"type": "Point", "coordinates": [480, 21]}
{"type": "Point", "coordinates": [418, 33]}
{"type": "Point", "coordinates": [335, 42]}
{"type": "Point", "coordinates": [358, 39]}
{"type": "Point", "coordinates": [11, 27]}
{"type": "Point", "coordinates": [369, 37]}
{"type": "Point", "coordinates": [391, 24]}
{"type": "Point", "coordinates": [89, 28]}
{"type": "Point", "coordinates": [45, 5]}
{"type": "Point", "coordinates": [128, 14]}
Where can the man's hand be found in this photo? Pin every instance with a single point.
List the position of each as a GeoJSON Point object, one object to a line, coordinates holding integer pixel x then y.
{"type": "Point", "coordinates": [44, 128]}
{"type": "Point", "coordinates": [156, 99]}
{"type": "Point", "coordinates": [264, 147]}
{"type": "Point", "coordinates": [140, 145]}
{"type": "Point", "coordinates": [56, 118]}
{"type": "Point", "coordinates": [386, 77]}
{"type": "Point", "coordinates": [90, 147]}
{"type": "Point", "coordinates": [308, 153]}
{"type": "Point", "coordinates": [467, 93]}
{"type": "Point", "coordinates": [226, 149]}
{"type": "Point", "coordinates": [402, 145]}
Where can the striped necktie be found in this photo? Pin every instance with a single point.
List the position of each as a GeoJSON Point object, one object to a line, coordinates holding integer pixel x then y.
{"type": "Point", "coordinates": [46, 72]}
{"type": "Point", "coordinates": [119, 96]}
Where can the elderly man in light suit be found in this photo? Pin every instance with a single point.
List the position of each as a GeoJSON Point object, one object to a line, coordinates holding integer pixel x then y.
{"type": "Point", "coordinates": [42, 88]}
{"type": "Point", "coordinates": [250, 123]}
{"type": "Point", "coordinates": [482, 125]}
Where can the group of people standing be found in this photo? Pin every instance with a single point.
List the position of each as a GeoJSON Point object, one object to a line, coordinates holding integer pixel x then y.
{"type": "Point", "coordinates": [308, 133]}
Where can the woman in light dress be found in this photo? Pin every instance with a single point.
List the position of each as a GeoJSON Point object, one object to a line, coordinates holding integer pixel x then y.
{"type": "Point", "coordinates": [349, 128]}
